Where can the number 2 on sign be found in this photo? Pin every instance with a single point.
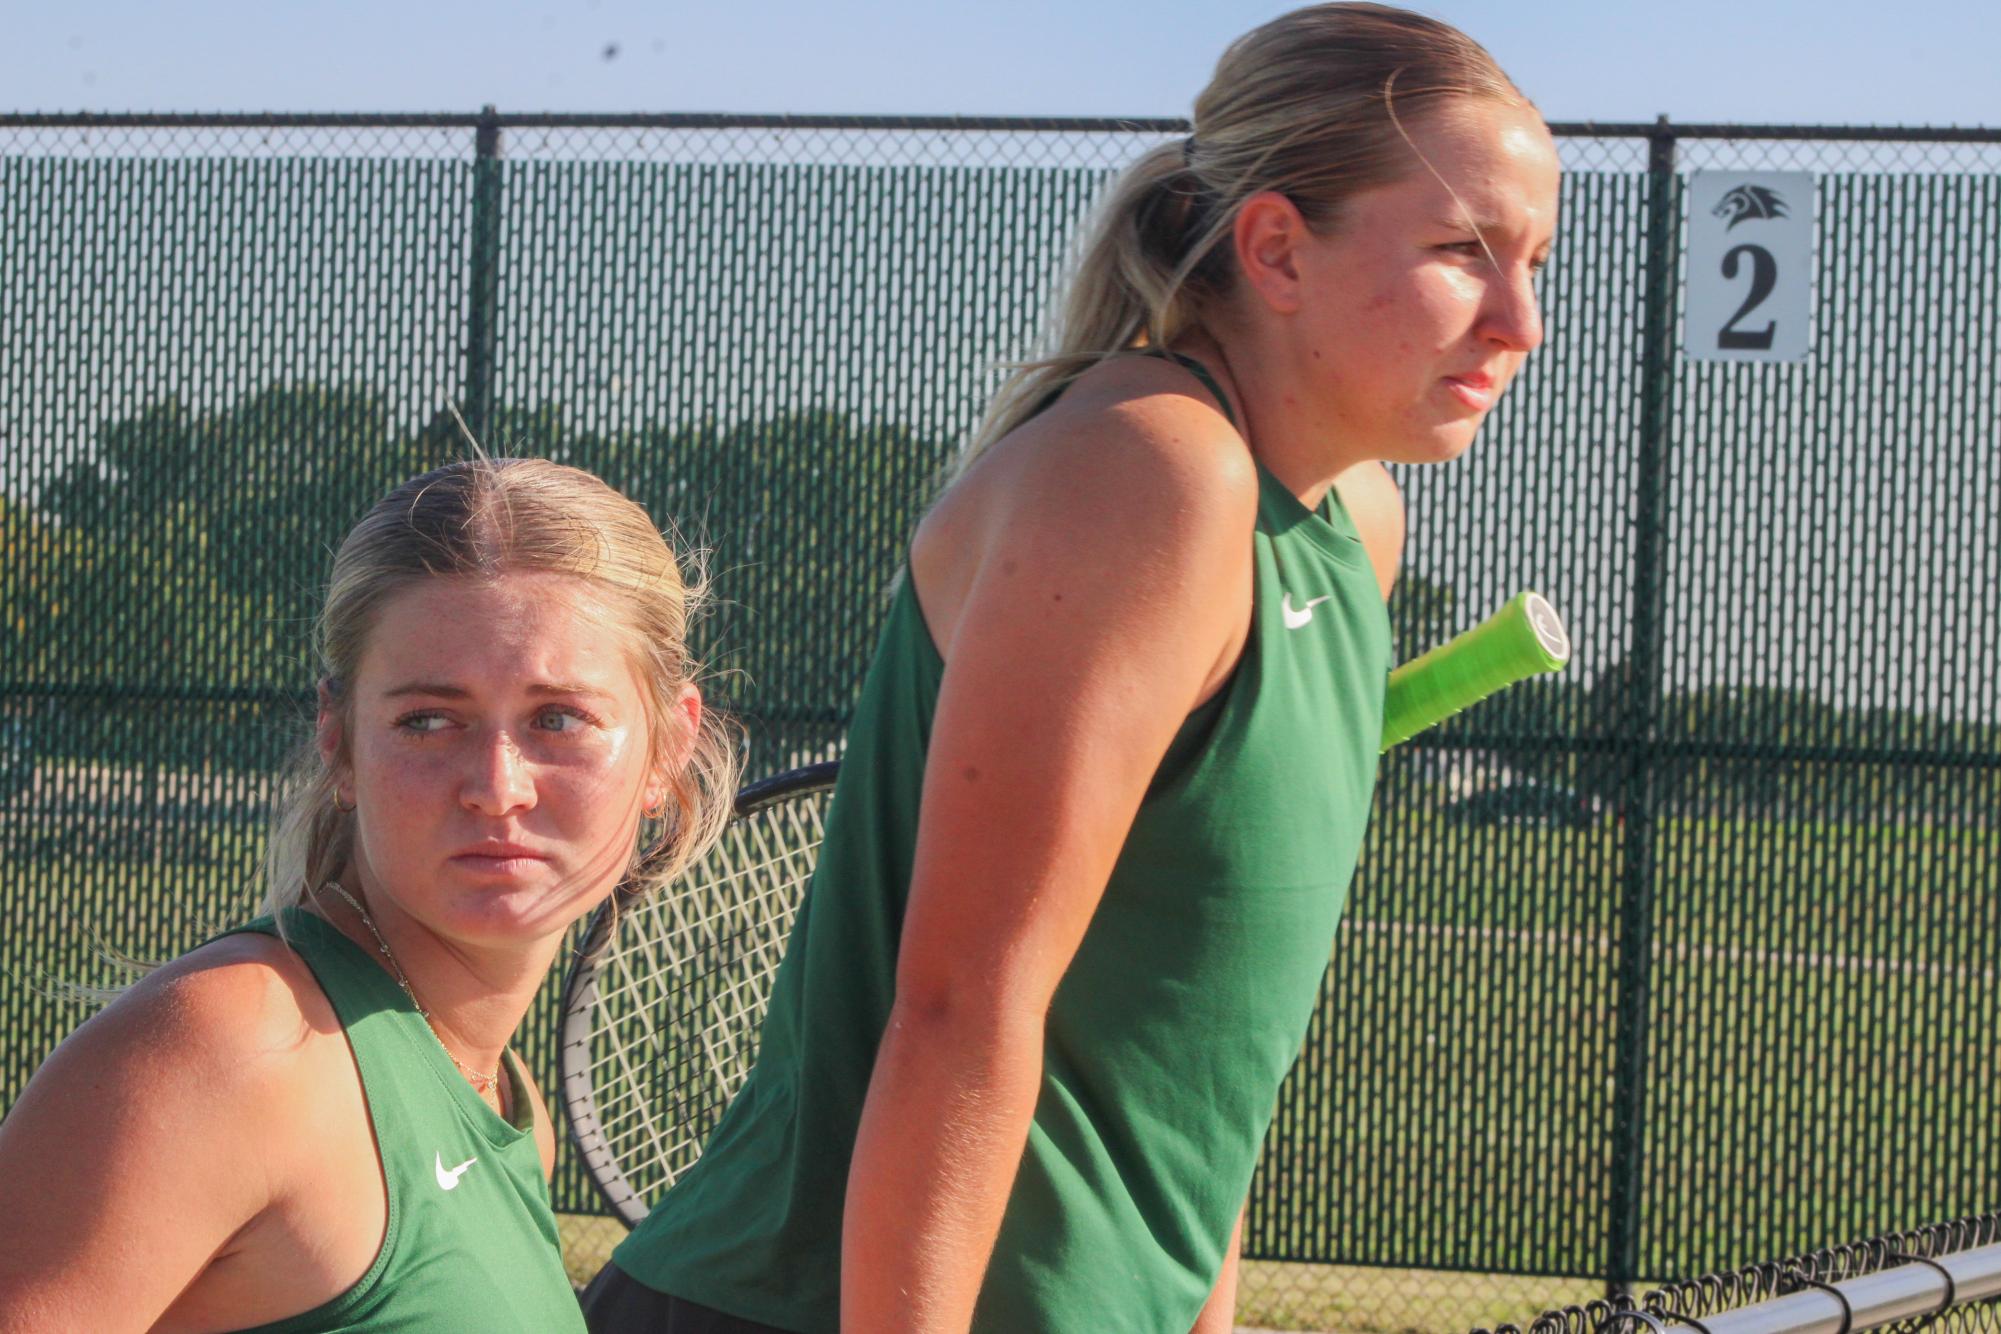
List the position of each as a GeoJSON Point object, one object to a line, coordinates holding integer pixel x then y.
{"type": "Point", "coordinates": [1764, 277]}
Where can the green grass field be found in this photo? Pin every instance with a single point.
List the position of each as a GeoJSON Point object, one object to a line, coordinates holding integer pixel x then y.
{"type": "Point", "coordinates": [1819, 1057]}
{"type": "Point", "coordinates": [1820, 1053]}
{"type": "Point", "coordinates": [1273, 1296]}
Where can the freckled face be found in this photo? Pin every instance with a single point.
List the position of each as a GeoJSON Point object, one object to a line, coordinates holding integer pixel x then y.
{"type": "Point", "coordinates": [1419, 308]}
{"type": "Point", "coordinates": [500, 756]}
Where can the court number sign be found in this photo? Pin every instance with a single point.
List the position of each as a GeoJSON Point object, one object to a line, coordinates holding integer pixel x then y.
{"type": "Point", "coordinates": [1750, 266]}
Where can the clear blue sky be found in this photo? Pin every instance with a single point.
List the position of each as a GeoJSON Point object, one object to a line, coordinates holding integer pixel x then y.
{"type": "Point", "coordinates": [1923, 62]}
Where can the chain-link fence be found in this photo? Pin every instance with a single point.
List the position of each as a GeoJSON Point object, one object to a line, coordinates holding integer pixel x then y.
{"type": "Point", "coordinates": [1683, 957]}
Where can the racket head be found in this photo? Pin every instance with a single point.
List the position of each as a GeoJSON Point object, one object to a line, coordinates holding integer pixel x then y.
{"type": "Point", "coordinates": [662, 1007]}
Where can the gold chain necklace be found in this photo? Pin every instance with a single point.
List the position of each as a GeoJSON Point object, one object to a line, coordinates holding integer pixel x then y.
{"type": "Point", "coordinates": [482, 1083]}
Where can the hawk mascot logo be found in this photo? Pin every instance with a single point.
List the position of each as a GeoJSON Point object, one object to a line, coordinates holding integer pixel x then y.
{"type": "Point", "coordinates": [1747, 202]}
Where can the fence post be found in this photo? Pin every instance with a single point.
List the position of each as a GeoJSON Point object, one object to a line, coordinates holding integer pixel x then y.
{"type": "Point", "coordinates": [1638, 725]}
{"type": "Point", "coordinates": [483, 305]}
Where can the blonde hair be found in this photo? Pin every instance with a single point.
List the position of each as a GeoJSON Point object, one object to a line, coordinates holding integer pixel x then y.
{"type": "Point", "coordinates": [485, 517]}
{"type": "Point", "coordinates": [1314, 105]}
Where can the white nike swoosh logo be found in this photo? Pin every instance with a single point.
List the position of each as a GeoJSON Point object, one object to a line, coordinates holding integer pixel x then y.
{"type": "Point", "coordinates": [448, 1177]}
{"type": "Point", "coordinates": [1298, 616]}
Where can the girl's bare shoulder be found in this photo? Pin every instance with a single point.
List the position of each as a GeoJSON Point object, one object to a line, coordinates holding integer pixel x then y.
{"type": "Point", "coordinates": [247, 994]}
{"type": "Point", "coordinates": [1134, 471]}
{"type": "Point", "coordinates": [239, 1018]}
{"type": "Point", "coordinates": [1149, 401]}
{"type": "Point", "coordinates": [1133, 433]}
{"type": "Point", "coordinates": [202, 1084]}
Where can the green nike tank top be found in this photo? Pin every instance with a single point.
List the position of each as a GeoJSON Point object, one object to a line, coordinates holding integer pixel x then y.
{"type": "Point", "coordinates": [471, 1241]}
{"type": "Point", "coordinates": [1169, 1035]}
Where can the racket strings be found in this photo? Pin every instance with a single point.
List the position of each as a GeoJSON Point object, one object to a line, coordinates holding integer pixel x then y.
{"type": "Point", "coordinates": [728, 1014]}
{"type": "Point", "coordinates": [678, 996]}
{"type": "Point", "coordinates": [665, 933]}
{"type": "Point", "coordinates": [678, 933]}
{"type": "Point", "coordinates": [722, 997]}
{"type": "Point", "coordinates": [675, 902]}
{"type": "Point", "coordinates": [653, 968]}
{"type": "Point", "coordinates": [747, 996]}
{"type": "Point", "coordinates": [727, 993]}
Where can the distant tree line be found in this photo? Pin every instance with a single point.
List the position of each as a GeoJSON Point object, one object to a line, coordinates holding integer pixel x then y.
{"type": "Point", "coordinates": [159, 598]}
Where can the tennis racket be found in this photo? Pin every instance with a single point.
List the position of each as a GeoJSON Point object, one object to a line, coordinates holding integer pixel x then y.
{"type": "Point", "coordinates": [662, 1009]}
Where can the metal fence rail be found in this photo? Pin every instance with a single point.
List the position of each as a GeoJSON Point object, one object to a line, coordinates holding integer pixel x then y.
{"type": "Point", "coordinates": [1945, 1276]}
{"type": "Point", "coordinates": [1685, 956]}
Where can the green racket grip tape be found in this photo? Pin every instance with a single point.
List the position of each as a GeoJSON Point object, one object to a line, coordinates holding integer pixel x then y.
{"type": "Point", "coordinates": [1522, 639]}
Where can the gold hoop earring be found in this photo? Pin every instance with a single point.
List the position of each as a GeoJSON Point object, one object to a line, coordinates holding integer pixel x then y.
{"type": "Point", "coordinates": [345, 808]}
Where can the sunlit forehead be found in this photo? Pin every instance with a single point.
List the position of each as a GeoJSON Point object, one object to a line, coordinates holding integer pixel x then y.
{"type": "Point", "coordinates": [529, 636]}
{"type": "Point", "coordinates": [1490, 169]}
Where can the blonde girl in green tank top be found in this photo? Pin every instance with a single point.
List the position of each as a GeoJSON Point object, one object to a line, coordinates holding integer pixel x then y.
{"type": "Point", "coordinates": [1095, 759]}
{"type": "Point", "coordinates": [1362, 292]}
{"type": "Point", "coordinates": [316, 1124]}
